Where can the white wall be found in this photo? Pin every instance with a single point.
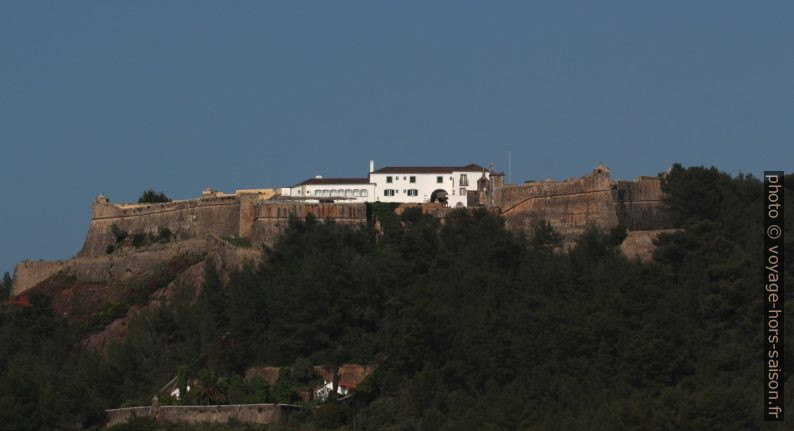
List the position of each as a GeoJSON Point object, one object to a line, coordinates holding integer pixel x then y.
{"type": "Point", "coordinates": [425, 185]}
{"type": "Point", "coordinates": [357, 192]}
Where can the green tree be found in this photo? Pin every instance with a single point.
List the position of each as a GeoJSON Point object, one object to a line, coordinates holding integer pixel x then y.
{"type": "Point", "coordinates": [152, 196]}
{"type": "Point", "coordinates": [5, 286]}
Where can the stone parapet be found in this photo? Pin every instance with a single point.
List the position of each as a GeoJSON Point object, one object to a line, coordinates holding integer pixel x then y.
{"type": "Point", "coordinates": [247, 413]}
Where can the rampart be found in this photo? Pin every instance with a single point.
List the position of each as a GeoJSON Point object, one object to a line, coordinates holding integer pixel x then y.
{"type": "Point", "coordinates": [213, 216]}
{"type": "Point", "coordinates": [249, 216]}
{"type": "Point", "coordinates": [573, 204]}
{"type": "Point", "coordinates": [190, 223]}
{"type": "Point", "coordinates": [639, 204]}
{"type": "Point", "coordinates": [248, 413]}
{"type": "Point", "coordinates": [270, 218]}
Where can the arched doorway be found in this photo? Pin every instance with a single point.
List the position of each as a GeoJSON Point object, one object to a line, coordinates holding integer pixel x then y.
{"type": "Point", "coordinates": [439, 196]}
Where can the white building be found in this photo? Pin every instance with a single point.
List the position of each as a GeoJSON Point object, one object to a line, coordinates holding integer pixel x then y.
{"type": "Point", "coordinates": [418, 184]}
{"type": "Point", "coordinates": [321, 393]}
{"type": "Point", "coordinates": [354, 189]}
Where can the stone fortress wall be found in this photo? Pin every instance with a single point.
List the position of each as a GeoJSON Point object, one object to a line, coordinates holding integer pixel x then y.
{"type": "Point", "coordinates": [247, 216]}
{"type": "Point", "coordinates": [217, 414]}
{"type": "Point", "coordinates": [188, 219]}
{"type": "Point", "coordinates": [192, 224]}
{"type": "Point", "coordinates": [569, 205]}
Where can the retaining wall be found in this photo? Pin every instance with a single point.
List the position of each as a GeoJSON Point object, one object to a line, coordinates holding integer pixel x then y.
{"type": "Point", "coordinates": [249, 413]}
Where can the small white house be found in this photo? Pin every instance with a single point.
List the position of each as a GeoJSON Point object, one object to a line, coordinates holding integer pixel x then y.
{"type": "Point", "coordinates": [401, 184]}
{"type": "Point", "coordinates": [321, 393]}
{"type": "Point", "coordinates": [175, 394]}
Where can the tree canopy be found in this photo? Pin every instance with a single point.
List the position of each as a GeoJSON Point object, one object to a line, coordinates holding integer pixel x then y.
{"type": "Point", "coordinates": [152, 196]}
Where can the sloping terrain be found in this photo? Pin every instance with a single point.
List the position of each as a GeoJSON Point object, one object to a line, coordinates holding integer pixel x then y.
{"type": "Point", "coordinates": [102, 294]}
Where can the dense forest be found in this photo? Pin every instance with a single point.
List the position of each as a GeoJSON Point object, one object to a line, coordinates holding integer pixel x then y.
{"type": "Point", "coordinates": [470, 326]}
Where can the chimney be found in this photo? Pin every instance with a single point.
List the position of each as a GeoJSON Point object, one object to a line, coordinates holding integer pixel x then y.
{"type": "Point", "coordinates": [371, 166]}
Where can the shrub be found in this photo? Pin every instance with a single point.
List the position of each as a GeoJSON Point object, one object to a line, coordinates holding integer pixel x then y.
{"type": "Point", "coordinates": [119, 233]}
{"type": "Point", "coordinates": [617, 234]}
{"type": "Point", "coordinates": [5, 287]}
{"type": "Point", "coordinates": [163, 234]}
{"type": "Point", "coordinates": [332, 415]}
{"type": "Point", "coordinates": [138, 240]}
{"type": "Point", "coordinates": [238, 241]}
{"type": "Point", "coordinates": [110, 249]}
{"type": "Point", "coordinates": [151, 196]}
{"type": "Point", "coordinates": [545, 236]}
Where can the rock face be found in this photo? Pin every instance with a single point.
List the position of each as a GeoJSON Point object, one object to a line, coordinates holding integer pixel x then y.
{"type": "Point", "coordinates": [639, 244]}
{"type": "Point", "coordinates": [189, 271]}
{"type": "Point", "coordinates": [110, 268]}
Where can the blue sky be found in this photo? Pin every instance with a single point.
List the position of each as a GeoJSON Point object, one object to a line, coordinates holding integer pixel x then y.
{"type": "Point", "coordinates": [179, 95]}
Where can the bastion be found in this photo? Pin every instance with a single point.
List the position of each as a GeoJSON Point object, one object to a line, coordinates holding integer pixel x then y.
{"type": "Point", "coordinates": [571, 205]}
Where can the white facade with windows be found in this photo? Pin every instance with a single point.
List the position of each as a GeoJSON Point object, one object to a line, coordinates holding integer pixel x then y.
{"type": "Point", "coordinates": [352, 189]}
{"type": "Point", "coordinates": [426, 184]}
{"type": "Point", "coordinates": [403, 184]}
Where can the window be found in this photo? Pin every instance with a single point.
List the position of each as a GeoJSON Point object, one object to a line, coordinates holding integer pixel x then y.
{"type": "Point", "coordinates": [326, 192]}
{"type": "Point", "coordinates": [356, 193]}
{"type": "Point", "coordinates": [388, 192]}
{"type": "Point", "coordinates": [439, 179]}
{"type": "Point", "coordinates": [464, 181]}
{"type": "Point", "coordinates": [413, 192]}
{"type": "Point", "coordinates": [348, 193]}
{"type": "Point", "coordinates": [318, 193]}
{"type": "Point", "coordinates": [363, 193]}
{"type": "Point", "coordinates": [413, 179]}
{"type": "Point", "coordinates": [388, 179]}
{"type": "Point", "coordinates": [463, 191]}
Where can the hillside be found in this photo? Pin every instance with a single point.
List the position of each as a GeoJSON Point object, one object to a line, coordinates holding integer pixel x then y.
{"type": "Point", "coordinates": [470, 325]}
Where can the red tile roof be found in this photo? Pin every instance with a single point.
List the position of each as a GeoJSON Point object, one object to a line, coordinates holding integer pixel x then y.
{"type": "Point", "coordinates": [320, 181]}
{"type": "Point", "coordinates": [21, 300]}
{"type": "Point", "coordinates": [473, 167]}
